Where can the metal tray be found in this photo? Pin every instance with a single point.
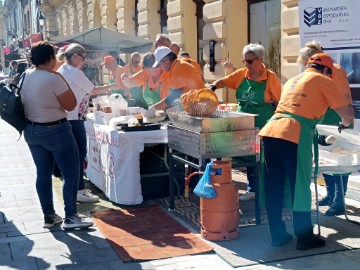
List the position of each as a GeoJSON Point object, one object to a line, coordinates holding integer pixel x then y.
{"type": "Point", "coordinates": [144, 127]}
{"type": "Point", "coordinates": [225, 121]}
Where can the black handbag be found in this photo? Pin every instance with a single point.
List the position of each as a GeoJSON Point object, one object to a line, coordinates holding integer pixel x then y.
{"type": "Point", "coordinates": [11, 107]}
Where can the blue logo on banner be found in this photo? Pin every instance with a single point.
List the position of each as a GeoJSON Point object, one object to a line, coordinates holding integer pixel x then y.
{"type": "Point", "coordinates": [313, 16]}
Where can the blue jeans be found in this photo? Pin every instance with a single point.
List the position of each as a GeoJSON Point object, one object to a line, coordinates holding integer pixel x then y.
{"type": "Point", "coordinates": [250, 173]}
{"type": "Point", "coordinates": [47, 143]}
{"type": "Point", "coordinates": [78, 129]}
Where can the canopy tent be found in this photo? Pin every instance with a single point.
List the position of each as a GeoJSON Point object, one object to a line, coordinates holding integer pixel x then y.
{"type": "Point", "coordinates": [105, 39]}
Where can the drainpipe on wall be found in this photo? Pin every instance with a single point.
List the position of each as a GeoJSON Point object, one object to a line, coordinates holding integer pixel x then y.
{"type": "Point", "coordinates": [227, 46]}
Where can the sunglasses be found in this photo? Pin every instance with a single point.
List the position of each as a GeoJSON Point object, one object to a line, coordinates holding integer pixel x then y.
{"type": "Point", "coordinates": [248, 61]}
{"type": "Point", "coordinates": [83, 57]}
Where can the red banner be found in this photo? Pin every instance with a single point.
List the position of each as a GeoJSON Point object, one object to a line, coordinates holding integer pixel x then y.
{"type": "Point", "coordinates": [36, 38]}
{"type": "Point", "coordinates": [26, 43]}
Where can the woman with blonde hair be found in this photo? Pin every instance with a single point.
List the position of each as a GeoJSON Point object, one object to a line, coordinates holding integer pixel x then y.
{"type": "Point", "coordinates": [73, 58]}
{"type": "Point", "coordinates": [334, 196]}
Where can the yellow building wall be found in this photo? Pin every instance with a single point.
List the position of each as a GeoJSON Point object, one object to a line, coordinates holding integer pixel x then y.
{"type": "Point", "coordinates": [190, 32]}
{"type": "Point", "coordinates": [227, 24]}
{"type": "Point", "coordinates": [176, 20]}
{"type": "Point", "coordinates": [290, 39]}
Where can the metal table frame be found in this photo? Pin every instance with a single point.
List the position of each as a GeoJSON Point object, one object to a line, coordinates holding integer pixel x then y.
{"type": "Point", "coordinates": [337, 170]}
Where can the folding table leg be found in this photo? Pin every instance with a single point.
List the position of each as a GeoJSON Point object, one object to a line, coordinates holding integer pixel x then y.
{"type": "Point", "coordinates": [171, 181]}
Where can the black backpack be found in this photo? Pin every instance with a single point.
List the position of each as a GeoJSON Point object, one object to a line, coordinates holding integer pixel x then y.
{"type": "Point", "coordinates": [11, 107]}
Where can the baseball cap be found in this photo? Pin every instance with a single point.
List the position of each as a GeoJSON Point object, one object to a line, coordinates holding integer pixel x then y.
{"type": "Point", "coordinates": [322, 59]}
{"type": "Point", "coordinates": [108, 59]}
{"type": "Point", "coordinates": [160, 53]}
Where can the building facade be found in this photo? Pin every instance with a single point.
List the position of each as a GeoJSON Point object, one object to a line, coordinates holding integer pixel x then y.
{"type": "Point", "coordinates": [228, 25]}
{"type": "Point", "coordinates": [19, 24]}
{"type": "Point", "coordinates": [193, 24]}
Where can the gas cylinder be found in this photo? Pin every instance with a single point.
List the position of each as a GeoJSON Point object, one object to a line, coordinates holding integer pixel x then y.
{"type": "Point", "coordinates": [219, 217]}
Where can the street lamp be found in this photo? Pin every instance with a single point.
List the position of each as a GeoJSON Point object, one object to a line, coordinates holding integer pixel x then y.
{"type": "Point", "coordinates": [41, 20]}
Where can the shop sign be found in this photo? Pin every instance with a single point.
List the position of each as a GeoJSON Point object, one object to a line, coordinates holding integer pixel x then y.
{"type": "Point", "coordinates": [26, 43]}
{"type": "Point", "coordinates": [36, 38]}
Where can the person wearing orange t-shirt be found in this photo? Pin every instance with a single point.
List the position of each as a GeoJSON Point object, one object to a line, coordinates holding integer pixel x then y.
{"type": "Point", "coordinates": [182, 77]}
{"type": "Point", "coordinates": [334, 197]}
{"type": "Point", "coordinates": [184, 56]}
{"type": "Point", "coordinates": [287, 143]}
{"type": "Point", "coordinates": [257, 91]}
{"type": "Point", "coordinates": [115, 72]}
{"type": "Point", "coordinates": [131, 68]}
{"type": "Point", "coordinates": [148, 78]}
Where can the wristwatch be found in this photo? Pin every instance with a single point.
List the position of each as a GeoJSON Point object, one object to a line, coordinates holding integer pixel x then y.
{"type": "Point", "coordinates": [212, 87]}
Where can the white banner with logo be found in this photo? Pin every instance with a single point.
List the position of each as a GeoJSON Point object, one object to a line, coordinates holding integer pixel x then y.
{"type": "Point", "coordinates": [336, 25]}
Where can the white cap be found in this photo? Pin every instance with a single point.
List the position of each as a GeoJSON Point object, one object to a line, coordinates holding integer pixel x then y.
{"type": "Point", "coordinates": [160, 53]}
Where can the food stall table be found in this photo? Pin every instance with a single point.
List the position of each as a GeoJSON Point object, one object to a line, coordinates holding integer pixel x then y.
{"type": "Point", "coordinates": [114, 160]}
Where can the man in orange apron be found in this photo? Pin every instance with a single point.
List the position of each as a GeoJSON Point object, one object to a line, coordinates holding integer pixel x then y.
{"type": "Point", "coordinates": [182, 77]}
{"type": "Point", "coordinates": [149, 78]}
{"type": "Point", "coordinates": [287, 142]}
{"type": "Point", "coordinates": [131, 68]}
{"type": "Point", "coordinates": [115, 72]}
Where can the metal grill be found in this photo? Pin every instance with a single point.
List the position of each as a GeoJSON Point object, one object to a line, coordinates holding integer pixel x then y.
{"type": "Point", "coordinates": [206, 145]}
{"type": "Point", "coordinates": [220, 121]}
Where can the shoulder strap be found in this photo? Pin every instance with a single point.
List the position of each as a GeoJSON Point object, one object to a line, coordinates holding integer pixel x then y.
{"type": "Point", "coordinates": [22, 78]}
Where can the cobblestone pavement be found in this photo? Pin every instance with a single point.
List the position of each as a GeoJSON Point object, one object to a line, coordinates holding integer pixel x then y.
{"type": "Point", "coordinates": [25, 244]}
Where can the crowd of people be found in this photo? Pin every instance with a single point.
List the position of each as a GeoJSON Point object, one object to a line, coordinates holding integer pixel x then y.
{"type": "Point", "coordinates": [56, 96]}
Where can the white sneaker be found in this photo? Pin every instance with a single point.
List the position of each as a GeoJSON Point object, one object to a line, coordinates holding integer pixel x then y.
{"type": "Point", "coordinates": [85, 195]}
{"type": "Point", "coordinates": [76, 222]}
{"type": "Point", "coordinates": [247, 196]}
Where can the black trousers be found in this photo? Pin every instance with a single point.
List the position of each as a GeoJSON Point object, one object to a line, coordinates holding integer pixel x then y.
{"type": "Point", "coordinates": [281, 162]}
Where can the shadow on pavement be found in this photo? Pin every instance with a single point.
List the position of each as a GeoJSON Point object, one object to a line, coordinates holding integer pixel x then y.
{"type": "Point", "coordinates": [15, 248]}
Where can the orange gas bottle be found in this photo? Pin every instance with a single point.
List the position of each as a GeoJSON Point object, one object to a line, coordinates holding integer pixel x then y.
{"type": "Point", "coordinates": [219, 217]}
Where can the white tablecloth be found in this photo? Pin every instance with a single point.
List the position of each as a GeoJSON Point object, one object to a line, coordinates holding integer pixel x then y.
{"type": "Point", "coordinates": [114, 160]}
